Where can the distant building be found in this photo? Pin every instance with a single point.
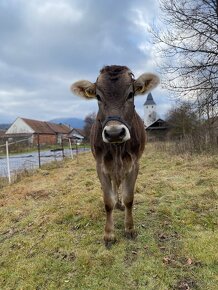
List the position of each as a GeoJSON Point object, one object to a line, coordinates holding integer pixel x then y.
{"type": "Point", "coordinates": [150, 114]}
{"type": "Point", "coordinates": [156, 128]}
{"type": "Point", "coordinates": [37, 131]}
{"type": "Point", "coordinates": [76, 135]}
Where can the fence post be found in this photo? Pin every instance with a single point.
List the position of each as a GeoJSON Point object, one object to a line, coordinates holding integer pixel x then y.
{"type": "Point", "coordinates": [8, 163]}
{"type": "Point", "coordinates": [70, 145]}
{"type": "Point", "coordinates": [38, 145]}
{"type": "Point", "coordinates": [77, 153]}
{"type": "Point", "coordinates": [76, 148]}
{"type": "Point", "coordinates": [62, 147]}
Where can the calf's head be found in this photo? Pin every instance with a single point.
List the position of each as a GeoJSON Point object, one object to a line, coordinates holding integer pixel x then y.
{"type": "Point", "coordinates": [115, 89]}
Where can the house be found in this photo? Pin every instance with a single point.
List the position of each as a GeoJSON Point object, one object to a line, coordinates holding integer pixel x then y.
{"type": "Point", "coordinates": [76, 135]}
{"type": "Point", "coordinates": [156, 128]}
{"type": "Point", "coordinates": [37, 131]}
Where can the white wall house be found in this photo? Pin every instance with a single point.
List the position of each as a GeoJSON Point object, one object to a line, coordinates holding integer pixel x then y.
{"type": "Point", "coordinates": [76, 135]}
{"type": "Point", "coordinates": [37, 131]}
{"type": "Point", "coordinates": [20, 126]}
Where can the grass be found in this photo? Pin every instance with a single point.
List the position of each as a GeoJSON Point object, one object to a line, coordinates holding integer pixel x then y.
{"type": "Point", "coordinates": [52, 226]}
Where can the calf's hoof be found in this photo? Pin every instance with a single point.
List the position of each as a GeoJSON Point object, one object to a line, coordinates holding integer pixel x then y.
{"type": "Point", "coordinates": [131, 234]}
{"type": "Point", "coordinates": [109, 240]}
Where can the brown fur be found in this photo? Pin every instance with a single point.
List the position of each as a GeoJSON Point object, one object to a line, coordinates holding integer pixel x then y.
{"type": "Point", "coordinates": [117, 164]}
{"type": "Point", "coordinates": [117, 137]}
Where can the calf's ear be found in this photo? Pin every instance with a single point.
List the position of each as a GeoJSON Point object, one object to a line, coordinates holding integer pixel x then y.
{"type": "Point", "coordinates": [145, 83]}
{"type": "Point", "coordinates": [84, 89]}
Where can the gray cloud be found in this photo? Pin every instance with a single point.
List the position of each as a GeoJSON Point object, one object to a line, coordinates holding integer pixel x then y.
{"type": "Point", "coordinates": [48, 44]}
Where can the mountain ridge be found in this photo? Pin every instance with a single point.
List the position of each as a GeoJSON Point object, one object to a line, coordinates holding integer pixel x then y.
{"type": "Point", "coordinates": [73, 122]}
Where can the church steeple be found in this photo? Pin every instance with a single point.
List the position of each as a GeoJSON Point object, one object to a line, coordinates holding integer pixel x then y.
{"type": "Point", "coordinates": [150, 114]}
{"type": "Point", "coordinates": [150, 100]}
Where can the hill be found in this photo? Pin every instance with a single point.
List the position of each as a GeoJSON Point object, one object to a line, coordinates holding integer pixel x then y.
{"type": "Point", "coordinates": [4, 126]}
{"type": "Point", "coordinates": [52, 226]}
{"type": "Point", "coordinates": [73, 122]}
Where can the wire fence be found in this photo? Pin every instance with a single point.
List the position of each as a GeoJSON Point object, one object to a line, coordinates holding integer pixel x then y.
{"type": "Point", "coordinates": [21, 155]}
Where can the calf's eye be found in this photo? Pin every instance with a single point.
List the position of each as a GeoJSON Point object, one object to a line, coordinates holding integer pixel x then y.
{"type": "Point", "coordinates": [98, 98]}
{"type": "Point", "coordinates": [130, 96]}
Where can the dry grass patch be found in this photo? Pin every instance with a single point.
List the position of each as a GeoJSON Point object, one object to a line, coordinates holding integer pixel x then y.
{"type": "Point", "coordinates": [52, 225]}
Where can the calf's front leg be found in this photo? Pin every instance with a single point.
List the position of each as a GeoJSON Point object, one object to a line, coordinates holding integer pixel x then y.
{"type": "Point", "coordinates": [128, 186]}
{"type": "Point", "coordinates": [110, 199]}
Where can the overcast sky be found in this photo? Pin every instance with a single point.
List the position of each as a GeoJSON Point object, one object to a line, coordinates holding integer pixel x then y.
{"type": "Point", "coordinates": [45, 45]}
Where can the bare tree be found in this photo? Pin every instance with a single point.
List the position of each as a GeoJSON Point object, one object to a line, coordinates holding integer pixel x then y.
{"type": "Point", "coordinates": [194, 134]}
{"type": "Point", "coordinates": [182, 120]}
{"type": "Point", "coordinates": [188, 46]}
{"type": "Point", "coordinates": [89, 120]}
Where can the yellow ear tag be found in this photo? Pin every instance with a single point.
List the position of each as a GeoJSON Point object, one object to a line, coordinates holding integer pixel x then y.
{"type": "Point", "coordinates": [142, 90]}
{"type": "Point", "coordinates": [88, 94]}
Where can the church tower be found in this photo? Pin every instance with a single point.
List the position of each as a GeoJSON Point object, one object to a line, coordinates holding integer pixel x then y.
{"type": "Point", "coordinates": [150, 114]}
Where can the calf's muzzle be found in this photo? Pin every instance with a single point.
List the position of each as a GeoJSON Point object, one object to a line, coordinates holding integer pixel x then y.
{"type": "Point", "coordinates": [117, 131]}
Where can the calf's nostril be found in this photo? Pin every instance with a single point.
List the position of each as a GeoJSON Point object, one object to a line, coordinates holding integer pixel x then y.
{"type": "Point", "coordinates": [122, 132]}
{"type": "Point", "coordinates": [106, 134]}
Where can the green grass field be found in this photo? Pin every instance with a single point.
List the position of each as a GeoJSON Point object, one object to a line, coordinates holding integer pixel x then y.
{"type": "Point", "coordinates": [51, 229]}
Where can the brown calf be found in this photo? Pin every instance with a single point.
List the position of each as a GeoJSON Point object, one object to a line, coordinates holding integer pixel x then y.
{"type": "Point", "coordinates": [117, 137]}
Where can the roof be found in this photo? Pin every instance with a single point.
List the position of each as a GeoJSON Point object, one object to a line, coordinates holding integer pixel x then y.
{"type": "Point", "coordinates": [42, 127]}
{"type": "Point", "coordinates": [80, 131]}
{"type": "Point", "coordinates": [159, 124]}
{"type": "Point", "coordinates": [150, 100]}
{"type": "Point", "coordinates": [77, 133]}
{"type": "Point", "coordinates": [59, 128]}
{"type": "Point", "coordinates": [38, 126]}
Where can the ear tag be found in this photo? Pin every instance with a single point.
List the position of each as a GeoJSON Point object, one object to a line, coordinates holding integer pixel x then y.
{"type": "Point", "coordinates": [142, 89]}
{"type": "Point", "coordinates": [88, 94]}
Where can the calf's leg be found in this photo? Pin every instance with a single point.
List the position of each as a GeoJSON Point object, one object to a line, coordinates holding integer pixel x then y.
{"type": "Point", "coordinates": [128, 196]}
{"type": "Point", "coordinates": [110, 199]}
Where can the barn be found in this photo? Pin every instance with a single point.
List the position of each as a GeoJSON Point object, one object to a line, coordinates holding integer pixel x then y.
{"type": "Point", "coordinates": [158, 130]}
{"type": "Point", "coordinates": [37, 131]}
